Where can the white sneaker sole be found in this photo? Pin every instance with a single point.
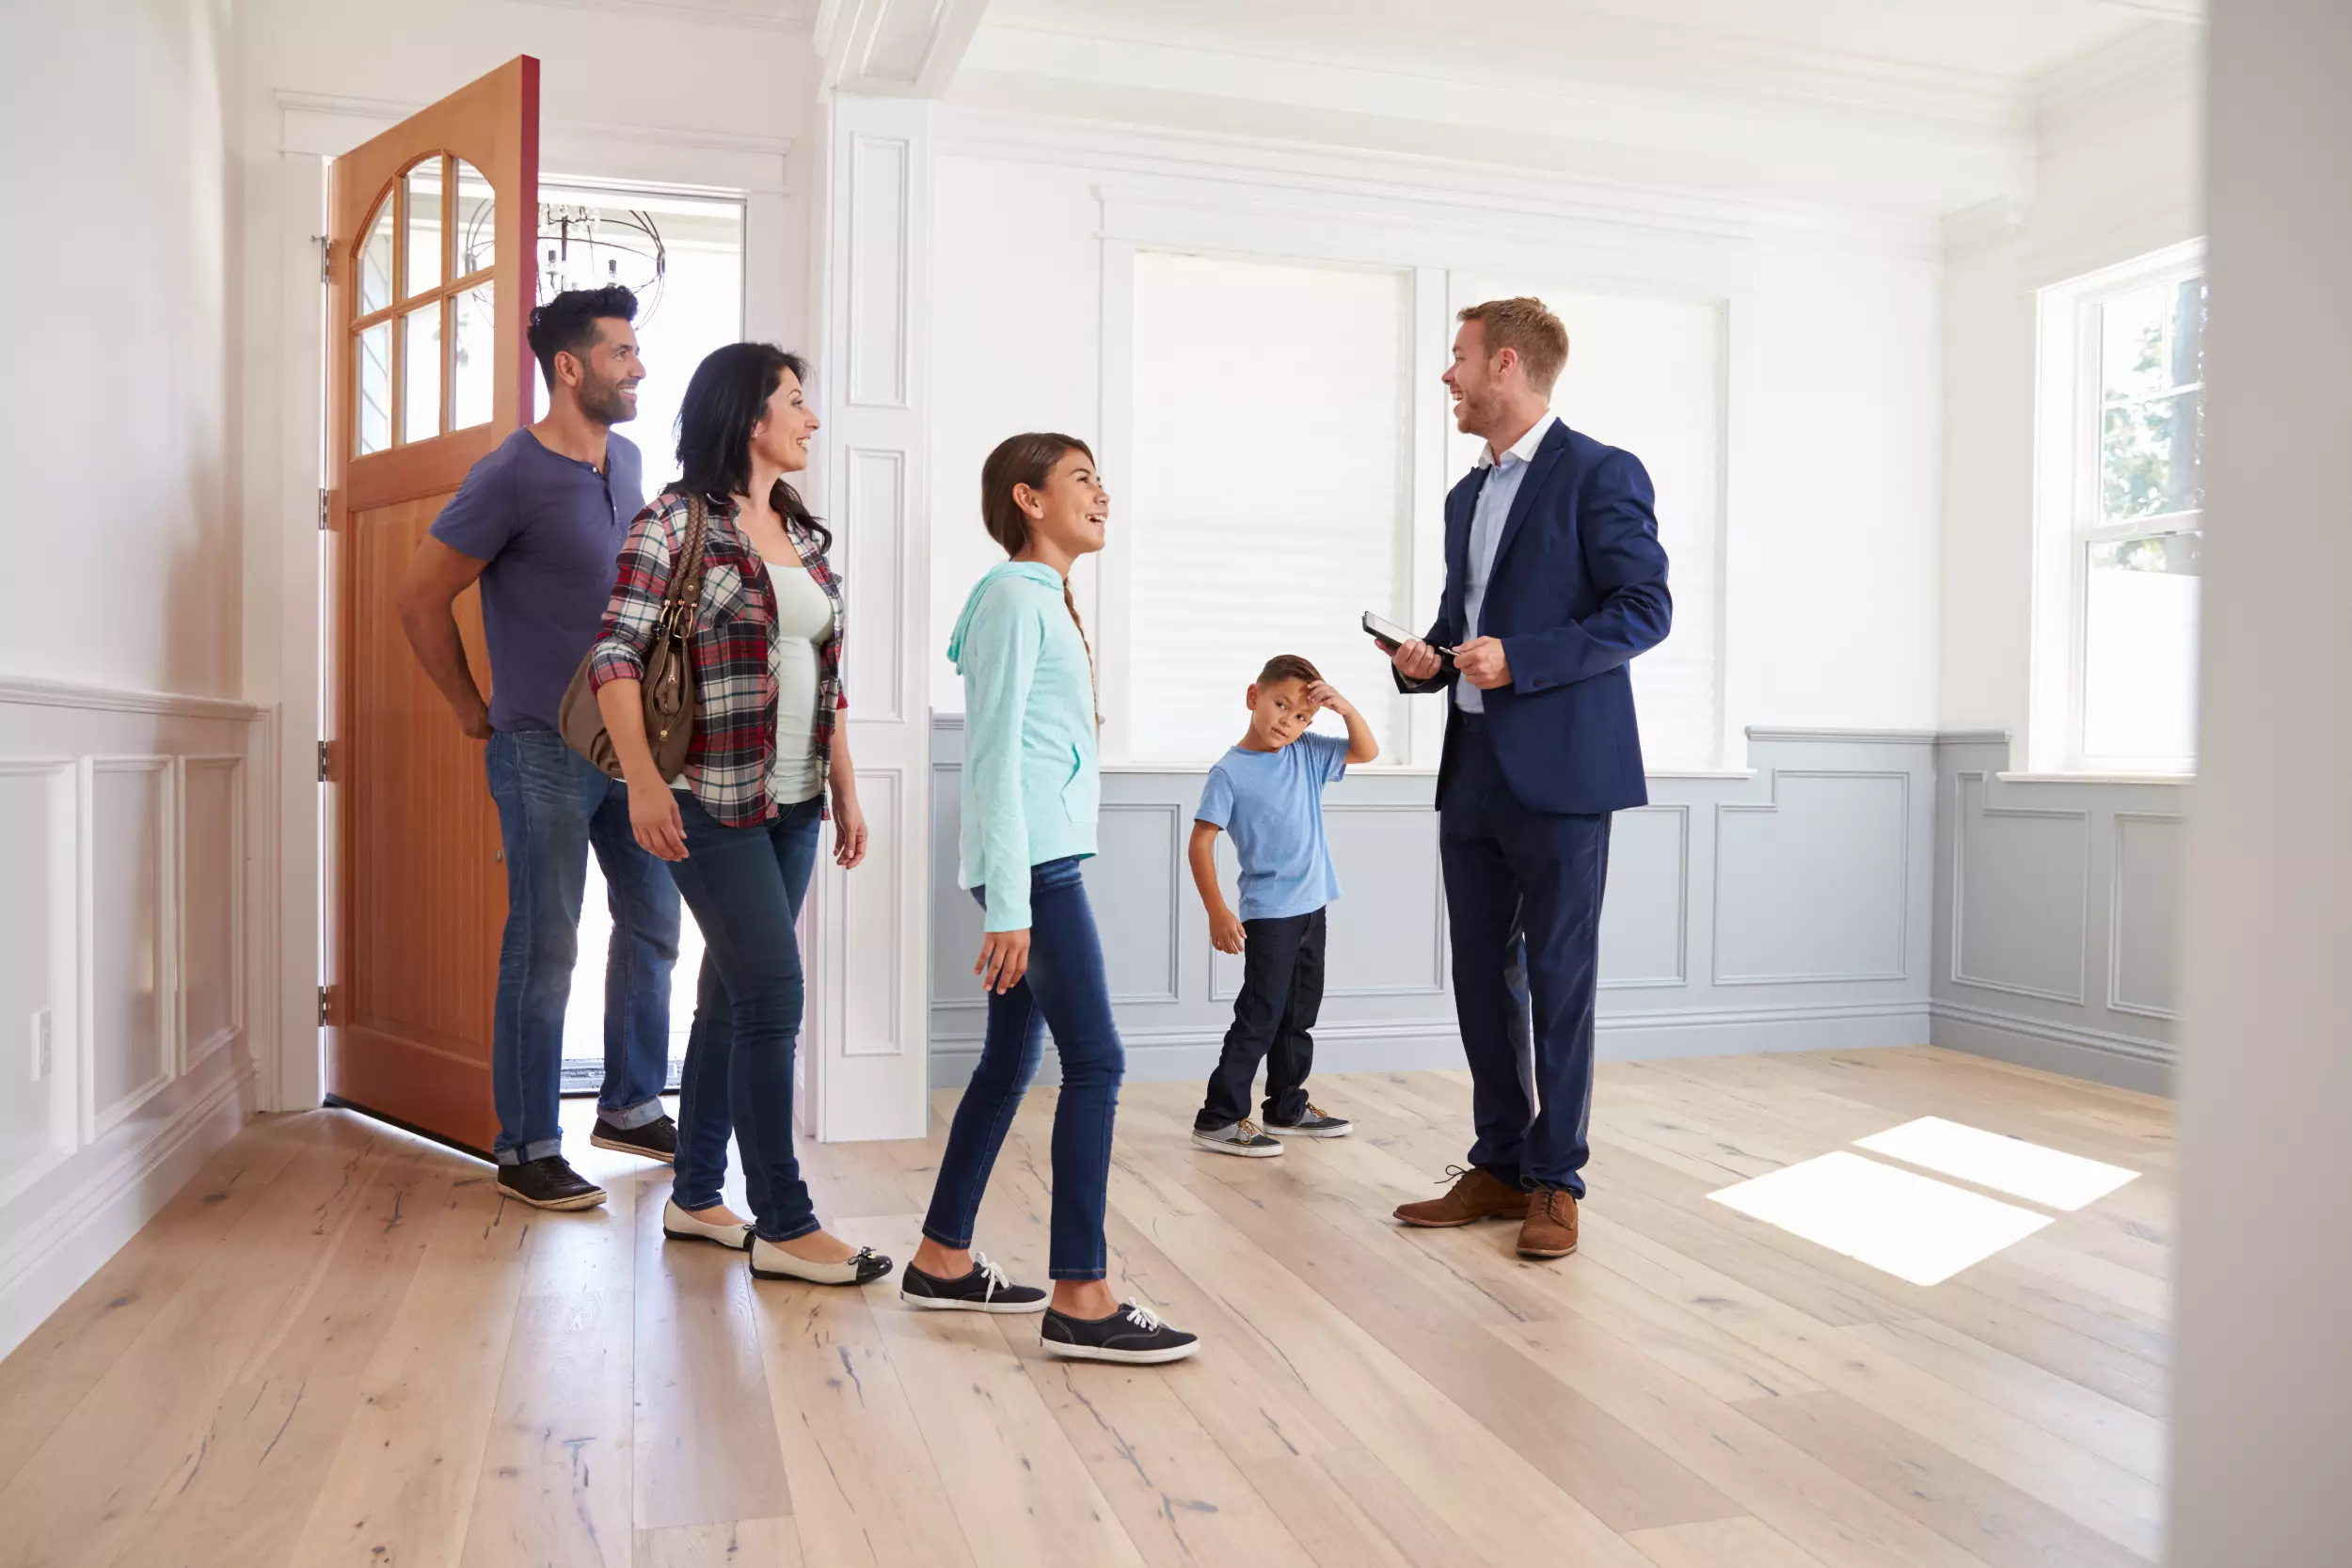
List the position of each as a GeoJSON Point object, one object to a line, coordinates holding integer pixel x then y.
{"type": "Point", "coordinates": [619, 1148]}
{"type": "Point", "coordinates": [1125, 1358]}
{"type": "Point", "coordinates": [999, 1308]}
{"type": "Point", "coordinates": [556, 1205]}
{"type": "Point", "coordinates": [1340, 1132]}
{"type": "Point", "coordinates": [1217, 1146]}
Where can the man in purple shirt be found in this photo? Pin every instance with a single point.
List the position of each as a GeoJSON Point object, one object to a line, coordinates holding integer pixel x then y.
{"type": "Point", "coordinates": [539, 524]}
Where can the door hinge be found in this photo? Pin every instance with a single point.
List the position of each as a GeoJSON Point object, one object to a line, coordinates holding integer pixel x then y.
{"type": "Point", "coordinates": [326, 1005]}
{"type": "Point", "coordinates": [322, 508]}
{"type": "Point", "coordinates": [324, 775]}
{"type": "Point", "coordinates": [326, 257]}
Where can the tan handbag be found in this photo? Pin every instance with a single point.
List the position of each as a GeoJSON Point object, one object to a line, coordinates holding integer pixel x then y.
{"type": "Point", "coordinates": [668, 685]}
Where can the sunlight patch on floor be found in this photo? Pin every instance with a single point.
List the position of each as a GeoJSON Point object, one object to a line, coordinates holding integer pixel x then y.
{"type": "Point", "coordinates": [1907, 1225]}
{"type": "Point", "coordinates": [2045, 1176]}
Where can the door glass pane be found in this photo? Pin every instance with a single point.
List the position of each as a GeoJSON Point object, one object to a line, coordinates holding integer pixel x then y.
{"type": "Point", "coordinates": [425, 228]}
{"type": "Point", "coordinates": [375, 264]}
{"type": "Point", "coordinates": [420, 412]}
{"type": "Point", "coordinates": [472, 357]}
{"type": "Point", "coordinates": [372, 398]}
{"type": "Point", "coordinates": [2139, 647]}
{"type": "Point", "coordinates": [477, 229]}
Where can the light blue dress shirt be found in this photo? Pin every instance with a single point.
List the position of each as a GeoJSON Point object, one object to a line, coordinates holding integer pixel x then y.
{"type": "Point", "coordinates": [1492, 511]}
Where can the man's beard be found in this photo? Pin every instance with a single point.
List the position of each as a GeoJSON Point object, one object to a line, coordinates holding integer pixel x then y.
{"type": "Point", "coordinates": [607, 405]}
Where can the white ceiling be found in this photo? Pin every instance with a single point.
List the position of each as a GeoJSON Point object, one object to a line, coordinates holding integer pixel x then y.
{"type": "Point", "coordinates": [1919, 106]}
{"type": "Point", "coordinates": [2013, 38]}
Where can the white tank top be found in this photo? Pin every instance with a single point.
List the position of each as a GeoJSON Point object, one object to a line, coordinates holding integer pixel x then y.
{"type": "Point", "coordinates": [803, 625]}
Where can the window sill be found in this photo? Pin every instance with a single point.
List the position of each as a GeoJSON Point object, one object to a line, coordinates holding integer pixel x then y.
{"type": "Point", "coordinates": [2093, 777]}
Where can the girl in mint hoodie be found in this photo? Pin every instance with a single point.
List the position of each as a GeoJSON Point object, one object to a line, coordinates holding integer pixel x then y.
{"type": "Point", "coordinates": [1030, 790]}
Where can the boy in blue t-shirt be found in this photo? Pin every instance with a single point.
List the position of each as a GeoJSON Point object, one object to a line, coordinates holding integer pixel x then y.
{"type": "Point", "coordinates": [1267, 792]}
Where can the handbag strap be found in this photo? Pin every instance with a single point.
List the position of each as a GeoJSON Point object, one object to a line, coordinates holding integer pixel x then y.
{"type": "Point", "coordinates": [686, 576]}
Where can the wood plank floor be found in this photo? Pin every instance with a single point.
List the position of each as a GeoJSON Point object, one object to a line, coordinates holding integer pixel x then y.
{"type": "Point", "coordinates": [340, 1345]}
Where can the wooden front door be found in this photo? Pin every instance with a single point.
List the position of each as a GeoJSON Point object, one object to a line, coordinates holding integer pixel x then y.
{"type": "Point", "coordinates": [432, 279]}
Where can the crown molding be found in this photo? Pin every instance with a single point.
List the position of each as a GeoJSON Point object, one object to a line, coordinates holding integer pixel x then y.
{"type": "Point", "coordinates": [1986, 226]}
{"type": "Point", "coordinates": [895, 48]}
{"type": "Point", "coordinates": [2160, 63]}
{"type": "Point", "coordinates": [666, 157]}
{"type": "Point", "coordinates": [1174, 164]}
{"type": "Point", "coordinates": [766, 16]}
{"type": "Point", "coordinates": [1612, 53]}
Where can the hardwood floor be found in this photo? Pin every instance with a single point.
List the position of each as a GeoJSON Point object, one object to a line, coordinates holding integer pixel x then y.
{"type": "Point", "coordinates": [339, 1346]}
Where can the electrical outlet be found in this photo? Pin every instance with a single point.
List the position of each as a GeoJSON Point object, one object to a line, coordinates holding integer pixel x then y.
{"type": "Point", "coordinates": [40, 1046]}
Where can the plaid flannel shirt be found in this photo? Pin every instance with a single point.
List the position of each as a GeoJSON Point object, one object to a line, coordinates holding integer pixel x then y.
{"type": "Point", "coordinates": [734, 686]}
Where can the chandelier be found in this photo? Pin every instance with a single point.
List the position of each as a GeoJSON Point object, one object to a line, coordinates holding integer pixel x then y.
{"type": "Point", "coordinates": [587, 247]}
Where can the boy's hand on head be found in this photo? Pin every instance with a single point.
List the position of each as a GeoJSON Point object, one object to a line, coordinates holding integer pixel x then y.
{"type": "Point", "coordinates": [1324, 694]}
{"type": "Point", "coordinates": [1225, 932]}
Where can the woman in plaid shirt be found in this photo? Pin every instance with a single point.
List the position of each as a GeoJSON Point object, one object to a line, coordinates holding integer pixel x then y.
{"type": "Point", "coordinates": [740, 829]}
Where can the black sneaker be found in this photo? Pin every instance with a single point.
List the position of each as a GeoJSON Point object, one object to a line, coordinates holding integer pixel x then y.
{"type": "Point", "coordinates": [1315, 1124]}
{"type": "Point", "coordinates": [1242, 1137]}
{"type": "Point", "coordinates": [549, 1183]}
{"type": "Point", "coordinates": [986, 1289]}
{"type": "Point", "coordinates": [1134, 1334]}
{"type": "Point", "coordinates": [656, 1140]}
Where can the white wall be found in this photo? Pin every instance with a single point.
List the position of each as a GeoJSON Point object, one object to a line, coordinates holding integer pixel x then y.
{"type": "Point", "coordinates": [1833, 527]}
{"type": "Point", "coordinates": [130, 779]}
{"type": "Point", "coordinates": [2118, 177]}
{"type": "Point", "coordinates": [119, 114]}
{"type": "Point", "coordinates": [2263, 1412]}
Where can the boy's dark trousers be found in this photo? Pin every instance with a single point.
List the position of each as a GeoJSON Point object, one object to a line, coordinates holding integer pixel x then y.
{"type": "Point", "coordinates": [1281, 991]}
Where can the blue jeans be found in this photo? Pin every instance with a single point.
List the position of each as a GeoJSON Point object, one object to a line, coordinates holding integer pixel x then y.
{"type": "Point", "coordinates": [745, 887]}
{"type": "Point", "coordinates": [554, 805]}
{"type": "Point", "coordinates": [1064, 990]}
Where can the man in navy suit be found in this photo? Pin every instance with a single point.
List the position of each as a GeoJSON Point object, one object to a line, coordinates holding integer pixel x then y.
{"type": "Point", "coordinates": [1553, 582]}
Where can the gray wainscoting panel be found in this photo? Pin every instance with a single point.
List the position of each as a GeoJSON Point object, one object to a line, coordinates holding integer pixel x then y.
{"type": "Point", "coordinates": [2021, 886]}
{"type": "Point", "coordinates": [1134, 882]}
{"type": "Point", "coordinates": [2056, 906]}
{"type": "Point", "coordinates": [1814, 885]}
{"type": "Point", "coordinates": [1827, 901]}
{"type": "Point", "coordinates": [2146, 907]}
{"type": "Point", "coordinates": [1645, 913]}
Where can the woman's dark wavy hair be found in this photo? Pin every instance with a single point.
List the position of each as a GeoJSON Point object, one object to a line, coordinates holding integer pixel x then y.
{"type": "Point", "coordinates": [728, 394]}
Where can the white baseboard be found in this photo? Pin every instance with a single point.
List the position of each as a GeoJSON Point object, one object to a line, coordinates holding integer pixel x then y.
{"type": "Point", "coordinates": [2120, 1060]}
{"type": "Point", "coordinates": [60, 1247]}
{"type": "Point", "coordinates": [1180, 1054]}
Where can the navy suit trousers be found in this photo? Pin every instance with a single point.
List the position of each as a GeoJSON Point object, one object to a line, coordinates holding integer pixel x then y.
{"type": "Point", "coordinates": [1523, 891]}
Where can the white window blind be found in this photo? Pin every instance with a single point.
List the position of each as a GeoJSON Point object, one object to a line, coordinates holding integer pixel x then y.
{"type": "Point", "coordinates": [1645, 374]}
{"type": "Point", "coordinates": [1269, 504]}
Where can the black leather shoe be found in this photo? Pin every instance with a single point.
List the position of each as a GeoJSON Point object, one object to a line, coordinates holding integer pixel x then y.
{"type": "Point", "coordinates": [549, 1183]}
{"type": "Point", "coordinates": [656, 1140]}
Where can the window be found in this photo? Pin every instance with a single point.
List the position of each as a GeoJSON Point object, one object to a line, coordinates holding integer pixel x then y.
{"type": "Point", "coordinates": [2127, 461]}
{"type": "Point", "coordinates": [1269, 504]}
{"type": "Point", "coordinates": [1644, 373]}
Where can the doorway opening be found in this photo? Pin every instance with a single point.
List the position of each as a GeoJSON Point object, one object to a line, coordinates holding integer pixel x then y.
{"type": "Point", "coordinates": [683, 257]}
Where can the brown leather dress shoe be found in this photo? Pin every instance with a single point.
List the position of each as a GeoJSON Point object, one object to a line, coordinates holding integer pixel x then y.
{"type": "Point", "coordinates": [1477, 1195]}
{"type": "Point", "coordinates": [1549, 1229]}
